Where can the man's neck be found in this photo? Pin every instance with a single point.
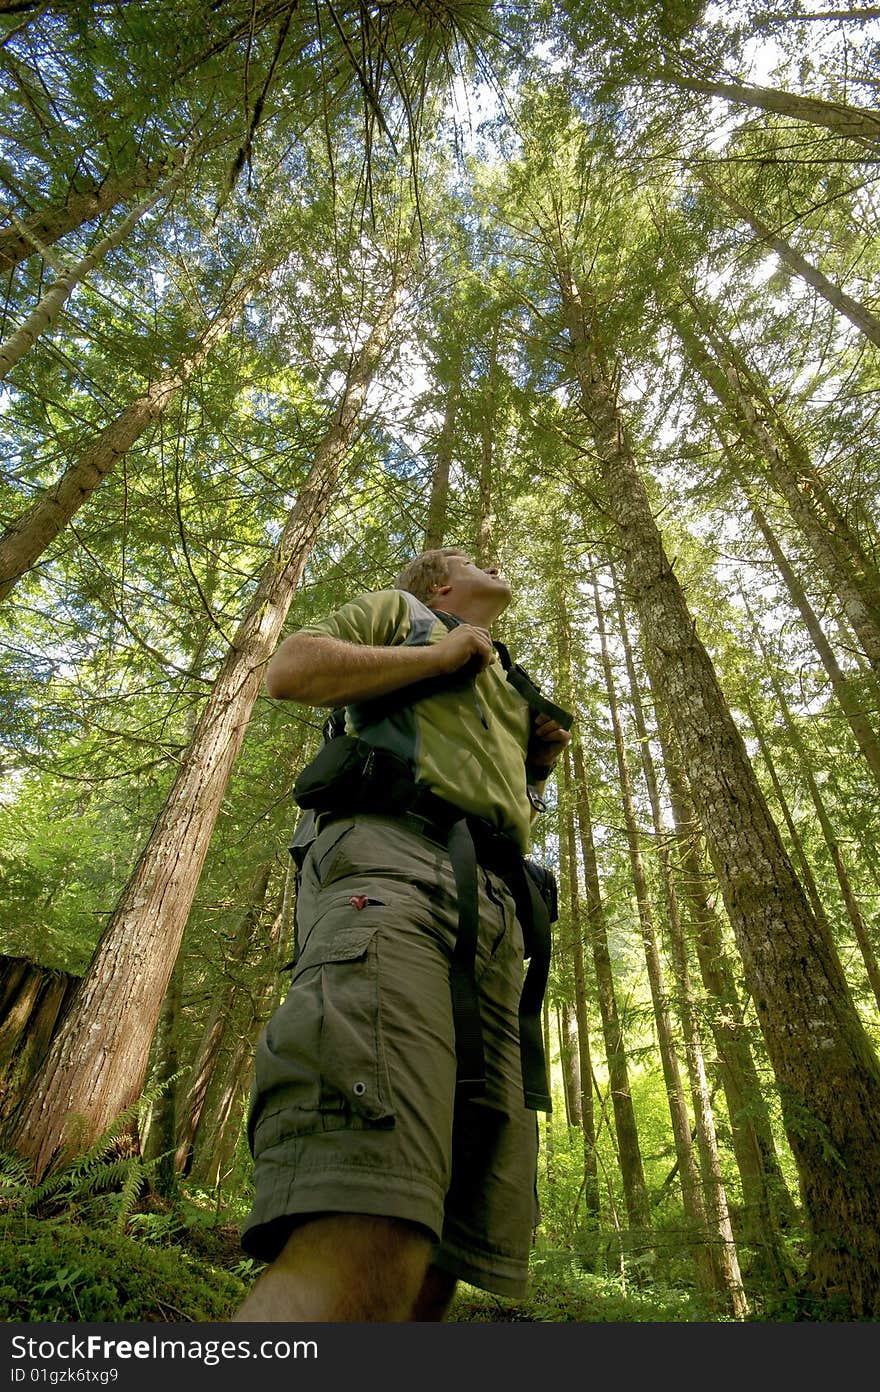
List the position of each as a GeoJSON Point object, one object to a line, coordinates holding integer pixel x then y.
{"type": "Point", "coordinates": [468, 617]}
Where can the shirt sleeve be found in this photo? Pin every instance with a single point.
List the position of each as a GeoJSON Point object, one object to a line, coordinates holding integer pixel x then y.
{"type": "Point", "coordinates": [377, 620]}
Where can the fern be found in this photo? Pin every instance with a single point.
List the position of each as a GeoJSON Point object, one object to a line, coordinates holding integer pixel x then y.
{"type": "Point", "coordinates": [99, 1170]}
{"type": "Point", "coordinates": [131, 1187]}
{"type": "Point", "coordinates": [15, 1180]}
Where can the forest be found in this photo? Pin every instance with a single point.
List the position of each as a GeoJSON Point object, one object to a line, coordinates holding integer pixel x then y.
{"type": "Point", "coordinates": [293, 291]}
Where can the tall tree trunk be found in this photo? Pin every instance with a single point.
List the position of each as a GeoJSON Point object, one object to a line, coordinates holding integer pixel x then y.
{"type": "Point", "coordinates": [569, 1063]}
{"type": "Point", "coordinates": [853, 122]}
{"type": "Point", "coordinates": [25, 539]}
{"type": "Point", "coordinates": [861, 14]}
{"type": "Point", "coordinates": [808, 879]}
{"type": "Point", "coordinates": [16, 1017]}
{"type": "Point", "coordinates": [767, 1204]}
{"type": "Point", "coordinates": [850, 703]}
{"type": "Point", "coordinates": [577, 789]}
{"type": "Point", "coordinates": [488, 428]}
{"type": "Point", "coordinates": [159, 1137]}
{"type": "Point", "coordinates": [851, 903]}
{"type": "Point", "coordinates": [97, 1062]}
{"type": "Point", "coordinates": [35, 234]}
{"type": "Point", "coordinates": [827, 1071]}
{"type": "Point", "coordinates": [216, 1150]}
{"type": "Point", "coordinates": [37, 1023]}
{"type": "Point", "coordinates": [216, 1137]}
{"type": "Point", "coordinates": [158, 1143]}
{"type": "Point", "coordinates": [568, 858]}
{"type": "Point", "coordinates": [632, 1174]}
{"type": "Point", "coordinates": [857, 314]}
{"type": "Point", "coordinates": [689, 1180]}
{"type": "Point", "coordinates": [785, 457]}
{"type": "Point", "coordinates": [438, 505]}
{"type": "Point", "coordinates": [205, 1061]}
{"type": "Point", "coordinates": [724, 1260]}
{"type": "Point", "coordinates": [847, 570]}
{"type": "Point", "coordinates": [44, 315]}
{"type": "Point", "coordinates": [547, 1130]}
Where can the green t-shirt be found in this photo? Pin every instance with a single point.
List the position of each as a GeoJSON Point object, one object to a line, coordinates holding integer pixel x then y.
{"type": "Point", "coordinates": [468, 746]}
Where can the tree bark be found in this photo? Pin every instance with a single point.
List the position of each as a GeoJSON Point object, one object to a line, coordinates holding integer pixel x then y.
{"type": "Point", "coordinates": [158, 1143]}
{"type": "Point", "coordinates": [438, 504]}
{"type": "Point", "coordinates": [488, 424]}
{"type": "Point", "coordinates": [782, 450]}
{"type": "Point", "coordinates": [577, 789]}
{"type": "Point", "coordinates": [861, 15]}
{"type": "Point", "coordinates": [217, 1142]}
{"type": "Point", "coordinates": [827, 1071]}
{"type": "Point", "coordinates": [847, 570]}
{"type": "Point", "coordinates": [30, 236]}
{"type": "Point", "coordinates": [205, 1061]}
{"type": "Point", "coordinates": [853, 122]}
{"type": "Point", "coordinates": [547, 1129]}
{"type": "Point", "coordinates": [767, 1204]}
{"type": "Point", "coordinates": [691, 1193]}
{"type": "Point", "coordinates": [853, 909]}
{"type": "Point", "coordinates": [850, 704]}
{"type": "Point", "coordinates": [568, 857]}
{"type": "Point", "coordinates": [217, 1136]}
{"type": "Point", "coordinates": [98, 1059]}
{"type": "Point", "coordinates": [724, 1260]}
{"type": "Point", "coordinates": [44, 315]}
{"type": "Point", "coordinates": [25, 539]}
{"type": "Point", "coordinates": [632, 1174]}
{"type": "Point", "coordinates": [24, 1052]}
{"type": "Point", "coordinates": [808, 879]}
{"type": "Point", "coordinates": [858, 314]}
{"type": "Point", "coordinates": [569, 1064]}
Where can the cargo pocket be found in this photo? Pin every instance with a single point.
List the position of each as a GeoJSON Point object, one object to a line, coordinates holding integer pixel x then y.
{"type": "Point", "coordinates": [321, 1064]}
{"type": "Point", "coordinates": [326, 851]}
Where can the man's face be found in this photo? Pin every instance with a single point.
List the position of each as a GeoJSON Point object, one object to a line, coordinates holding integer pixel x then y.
{"type": "Point", "coordinates": [469, 582]}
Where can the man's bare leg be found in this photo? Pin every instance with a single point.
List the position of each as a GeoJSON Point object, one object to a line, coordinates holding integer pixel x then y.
{"type": "Point", "coordinates": [435, 1297]}
{"type": "Point", "coordinates": [345, 1267]}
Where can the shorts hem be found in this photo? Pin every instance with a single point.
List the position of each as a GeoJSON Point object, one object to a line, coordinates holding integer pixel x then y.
{"type": "Point", "coordinates": [489, 1272]}
{"type": "Point", "coordinates": [337, 1191]}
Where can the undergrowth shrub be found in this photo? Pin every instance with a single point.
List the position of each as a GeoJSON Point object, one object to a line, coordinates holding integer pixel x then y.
{"type": "Point", "coordinates": [562, 1292]}
{"type": "Point", "coordinates": [52, 1269]}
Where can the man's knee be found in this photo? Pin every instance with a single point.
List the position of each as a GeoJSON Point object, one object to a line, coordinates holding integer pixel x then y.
{"type": "Point", "coordinates": [345, 1267]}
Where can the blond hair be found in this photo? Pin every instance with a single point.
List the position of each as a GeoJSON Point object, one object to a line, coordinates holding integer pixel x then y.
{"type": "Point", "coordinates": [427, 572]}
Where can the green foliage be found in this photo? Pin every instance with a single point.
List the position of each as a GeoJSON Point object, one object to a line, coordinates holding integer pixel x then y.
{"type": "Point", "coordinates": [562, 1292]}
{"type": "Point", "coordinates": [304, 164]}
{"type": "Point", "coordinates": [53, 1269]}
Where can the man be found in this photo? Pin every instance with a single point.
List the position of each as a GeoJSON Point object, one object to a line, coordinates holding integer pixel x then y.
{"type": "Point", "coordinates": [394, 1149]}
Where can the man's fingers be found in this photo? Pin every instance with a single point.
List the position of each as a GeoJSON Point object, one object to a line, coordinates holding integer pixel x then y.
{"type": "Point", "coordinates": [547, 727]}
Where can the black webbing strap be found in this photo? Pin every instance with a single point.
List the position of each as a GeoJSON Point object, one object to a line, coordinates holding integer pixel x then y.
{"type": "Point", "coordinates": [470, 1059]}
{"type": "Point", "coordinates": [471, 841]}
{"type": "Point", "coordinates": [521, 681]}
{"type": "Point", "coordinates": [530, 907]}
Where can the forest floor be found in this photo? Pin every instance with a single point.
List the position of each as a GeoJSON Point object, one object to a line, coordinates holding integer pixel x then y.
{"type": "Point", "coordinates": [186, 1265]}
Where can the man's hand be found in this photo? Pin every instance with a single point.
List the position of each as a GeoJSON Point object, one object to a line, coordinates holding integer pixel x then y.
{"type": "Point", "coordinates": [547, 742]}
{"type": "Point", "coordinates": [463, 644]}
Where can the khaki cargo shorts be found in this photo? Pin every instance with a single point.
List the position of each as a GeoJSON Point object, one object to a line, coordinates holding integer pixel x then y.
{"type": "Point", "coordinates": [353, 1108]}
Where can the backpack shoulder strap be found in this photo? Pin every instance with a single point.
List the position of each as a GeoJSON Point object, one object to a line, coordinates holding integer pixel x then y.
{"type": "Point", "coordinates": [530, 691]}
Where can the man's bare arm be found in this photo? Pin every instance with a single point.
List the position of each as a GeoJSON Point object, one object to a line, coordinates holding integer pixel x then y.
{"type": "Point", "coordinates": [324, 671]}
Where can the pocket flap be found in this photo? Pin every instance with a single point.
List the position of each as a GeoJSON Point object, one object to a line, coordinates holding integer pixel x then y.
{"type": "Point", "coordinates": [342, 934]}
